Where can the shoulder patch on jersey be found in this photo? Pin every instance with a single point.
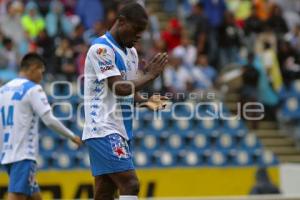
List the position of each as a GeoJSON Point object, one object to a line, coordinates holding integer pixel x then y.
{"type": "Point", "coordinates": [101, 51]}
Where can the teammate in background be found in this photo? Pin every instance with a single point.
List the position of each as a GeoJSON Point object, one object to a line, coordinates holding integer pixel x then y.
{"type": "Point", "coordinates": [22, 102]}
{"type": "Point", "coordinates": [111, 88]}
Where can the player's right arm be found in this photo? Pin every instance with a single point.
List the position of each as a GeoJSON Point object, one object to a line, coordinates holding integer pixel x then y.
{"type": "Point", "coordinates": [102, 59]}
{"type": "Point", "coordinates": [153, 70]}
{"type": "Point", "coordinates": [40, 105]}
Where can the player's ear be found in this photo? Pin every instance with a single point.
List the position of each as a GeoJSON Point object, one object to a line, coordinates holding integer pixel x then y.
{"type": "Point", "coordinates": [121, 19]}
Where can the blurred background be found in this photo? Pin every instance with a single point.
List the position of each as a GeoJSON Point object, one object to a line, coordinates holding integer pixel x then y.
{"type": "Point", "coordinates": [224, 54]}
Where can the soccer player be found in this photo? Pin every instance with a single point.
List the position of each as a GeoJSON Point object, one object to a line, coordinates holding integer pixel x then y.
{"type": "Point", "coordinates": [111, 88]}
{"type": "Point", "coordinates": [22, 102]}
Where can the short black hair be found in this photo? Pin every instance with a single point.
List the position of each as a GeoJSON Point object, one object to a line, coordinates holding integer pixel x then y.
{"type": "Point", "coordinates": [30, 59]}
{"type": "Point", "coordinates": [133, 12]}
{"type": "Point", "coordinates": [6, 41]}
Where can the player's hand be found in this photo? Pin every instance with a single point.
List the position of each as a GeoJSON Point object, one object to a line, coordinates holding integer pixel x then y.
{"type": "Point", "coordinates": [77, 140]}
{"type": "Point", "coordinates": [157, 64]}
{"type": "Point", "coordinates": [156, 102]}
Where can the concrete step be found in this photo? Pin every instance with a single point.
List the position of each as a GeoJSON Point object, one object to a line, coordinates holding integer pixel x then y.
{"type": "Point", "coordinates": [287, 158]}
{"type": "Point", "coordinates": [267, 125]}
{"type": "Point", "coordinates": [269, 133]}
{"type": "Point", "coordinates": [271, 142]}
{"type": "Point", "coordinates": [281, 151]}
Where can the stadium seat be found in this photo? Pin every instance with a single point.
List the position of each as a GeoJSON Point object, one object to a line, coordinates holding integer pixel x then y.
{"type": "Point", "coordinates": [182, 125]}
{"type": "Point", "coordinates": [234, 127]}
{"type": "Point", "coordinates": [290, 108]}
{"type": "Point", "coordinates": [48, 143]}
{"type": "Point", "coordinates": [216, 158]}
{"type": "Point", "coordinates": [158, 124]}
{"type": "Point", "coordinates": [242, 158]}
{"type": "Point", "coordinates": [175, 141]}
{"type": "Point", "coordinates": [142, 159]}
{"type": "Point", "coordinates": [190, 158]}
{"type": "Point", "coordinates": [266, 158]}
{"type": "Point", "coordinates": [165, 158]}
{"type": "Point", "coordinates": [225, 141]}
{"type": "Point", "coordinates": [183, 110]}
{"type": "Point", "coordinates": [200, 141]}
{"type": "Point", "coordinates": [250, 142]}
{"type": "Point", "coordinates": [63, 160]}
{"type": "Point", "coordinates": [149, 142]}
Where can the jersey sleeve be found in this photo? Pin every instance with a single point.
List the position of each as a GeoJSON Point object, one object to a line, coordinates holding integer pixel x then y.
{"type": "Point", "coordinates": [39, 101]}
{"type": "Point", "coordinates": [102, 59]}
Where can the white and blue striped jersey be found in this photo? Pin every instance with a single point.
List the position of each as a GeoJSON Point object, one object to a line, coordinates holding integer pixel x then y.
{"type": "Point", "coordinates": [106, 113]}
{"type": "Point", "coordinates": [22, 102]}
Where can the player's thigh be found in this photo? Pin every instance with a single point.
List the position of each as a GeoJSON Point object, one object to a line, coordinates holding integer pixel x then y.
{"type": "Point", "coordinates": [22, 181]}
{"type": "Point", "coordinates": [105, 188]}
{"type": "Point", "coordinates": [126, 181]}
{"type": "Point", "coordinates": [16, 196]}
{"type": "Point", "coordinates": [35, 196]}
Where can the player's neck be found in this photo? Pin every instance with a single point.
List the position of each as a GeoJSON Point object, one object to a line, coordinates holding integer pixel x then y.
{"type": "Point", "coordinates": [24, 75]}
{"type": "Point", "coordinates": [115, 34]}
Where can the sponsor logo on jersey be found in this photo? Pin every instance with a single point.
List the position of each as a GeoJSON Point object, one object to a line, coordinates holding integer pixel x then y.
{"type": "Point", "coordinates": [106, 68]}
{"type": "Point", "coordinates": [105, 65]}
{"type": "Point", "coordinates": [101, 51]}
{"type": "Point", "coordinates": [105, 62]}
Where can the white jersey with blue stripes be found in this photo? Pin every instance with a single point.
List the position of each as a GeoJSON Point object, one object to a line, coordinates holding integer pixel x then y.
{"type": "Point", "coordinates": [106, 113]}
{"type": "Point", "coordinates": [22, 102]}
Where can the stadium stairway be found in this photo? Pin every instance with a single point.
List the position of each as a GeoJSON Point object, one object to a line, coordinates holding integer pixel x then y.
{"type": "Point", "coordinates": [276, 140]}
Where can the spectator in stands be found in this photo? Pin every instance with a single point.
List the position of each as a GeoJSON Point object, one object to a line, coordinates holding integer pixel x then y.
{"type": "Point", "coordinates": [176, 77]}
{"type": "Point", "coordinates": [46, 48]}
{"type": "Point", "coordinates": [9, 53]}
{"type": "Point", "coordinates": [172, 34]}
{"type": "Point", "coordinates": [27, 45]}
{"type": "Point", "coordinates": [271, 65]}
{"type": "Point", "coordinates": [170, 6]}
{"type": "Point", "coordinates": [266, 36]}
{"type": "Point", "coordinates": [77, 38]}
{"type": "Point", "coordinates": [214, 10]}
{"type": "Point", "coordinates": [64, 62]}
{"type": "Point", "coordinates": [7, 60]}
{"type": "Point", "coordinates": [249, 89]}
{"type": "Point", "coordinates": [152, 32]}
{"type": "Point", "coordinates": [188, 49]}
{"type": "Point", "coordinates": [91, 34]}
{"type": "Point", "coordinates": [294, 38]}
{"type": "Point", "coordinates": [229, 40]}
{"type": "Point", "coordinates": [154, 26]}
{"type": "Point", "coordinates": [198, 26]}
{"type": "Point", "coordinates": [32, 22]}
{"type": "Point", "coordinates": [263, 8]}
{"type": "Point", "coordinates": [263, 184]}
{"type": "Point", "coordinates": [90, 12]}
{"type": "Point", "coordinates": [57, 23]}
{"type": "Point", "coordinates": [241, 10]}
{"type": "Point", "coordinates": [203, 74]}
{"type": "Point", "coordinates": [10, 24]}
{"type": "Point", "coordinates": [289, 62]}
{"type": "Point", "coordinates": [80, 59]}
{"type": "Point", "coordinates": [253, 26]}
{"type": "Point", "coordinates": [266, 93]}
{"type": "Point", "coordinates": [277, 22]}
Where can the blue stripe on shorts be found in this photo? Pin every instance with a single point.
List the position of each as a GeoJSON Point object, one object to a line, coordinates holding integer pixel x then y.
{"type": "Point", "coordinates": [109, 154]}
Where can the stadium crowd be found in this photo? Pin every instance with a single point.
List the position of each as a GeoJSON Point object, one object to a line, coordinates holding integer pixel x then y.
{"type": "Point", "coordinates": [202, 37]}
